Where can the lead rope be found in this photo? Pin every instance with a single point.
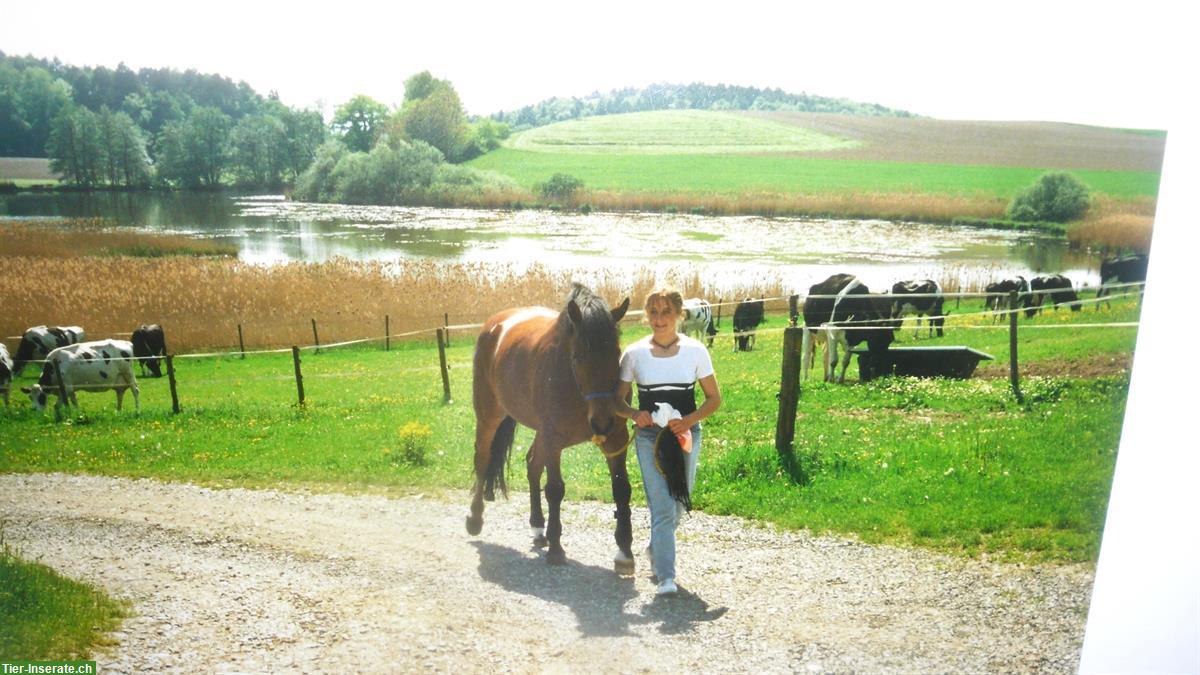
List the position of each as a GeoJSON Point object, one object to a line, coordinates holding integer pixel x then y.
{"type": "Point", "coordinates": [615, 453]}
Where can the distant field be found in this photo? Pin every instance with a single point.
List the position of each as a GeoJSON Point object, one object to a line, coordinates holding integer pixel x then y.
{"type": "Point", "coordinates": [676, 132]}
{"type": "Point", "coordinates": [1014, 144]}
{"type": "Point", "coordinates": [26, 169]}
{"type": "Point", "coordinates": [812, 174]}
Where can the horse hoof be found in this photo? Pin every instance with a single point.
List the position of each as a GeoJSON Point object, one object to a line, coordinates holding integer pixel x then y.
{"type": "Point", "coordinates": [541, 541]}
{"type": "Point", "coordinates": [556, 557]}
{"type": "Point", "coordinates": [474, 525]}
{"type": "Point", "coordinates": [624, 568]}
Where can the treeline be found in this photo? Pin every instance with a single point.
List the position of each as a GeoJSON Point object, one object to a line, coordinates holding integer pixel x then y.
{"type": "Point", "coordinates": [403, 156]}
{"type": "Point", "coordinates": [694, 96]}
{"type": "Point", "coordinates": [121, 128]}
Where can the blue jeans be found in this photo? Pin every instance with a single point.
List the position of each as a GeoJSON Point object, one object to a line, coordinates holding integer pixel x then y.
{"type": "Point", "coordinates": [664, 510]}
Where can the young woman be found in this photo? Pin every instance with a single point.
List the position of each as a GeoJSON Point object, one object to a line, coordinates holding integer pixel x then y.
{"type": "Point", "coordinates": [666, 366]}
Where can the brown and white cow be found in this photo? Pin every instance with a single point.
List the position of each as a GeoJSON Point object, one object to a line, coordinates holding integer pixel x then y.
{"type": "Point", "coordinates": [922, 297]}
{"type": "Point", "coordinates": [842, 312]}
{"type": "Point", "coordinates": [39, 341]}
{"type": "Point", "coordinates": [103, 365]}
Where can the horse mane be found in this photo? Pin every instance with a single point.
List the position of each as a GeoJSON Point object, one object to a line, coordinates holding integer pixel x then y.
{"type": "Point", "coordinates": [597, 318]}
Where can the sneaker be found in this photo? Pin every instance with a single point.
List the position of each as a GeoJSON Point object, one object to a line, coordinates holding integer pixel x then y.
{"type": "Point", "coordinates": [667, 587]}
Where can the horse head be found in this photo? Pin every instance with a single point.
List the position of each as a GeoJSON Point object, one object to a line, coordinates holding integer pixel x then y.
{"type": "Point", "coordinates": [595, 353]}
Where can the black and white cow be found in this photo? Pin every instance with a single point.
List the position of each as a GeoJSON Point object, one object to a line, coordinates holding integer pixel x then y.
{"type": "Point", "coordinates": [6, 372]}
{"type": "Point", "coordinates": [847, 315]}
{"type": "Point", "coordinates": [999, 295]}
{"type": "Point", "coordinates": [1054, 288]}
{"type": "Point", "coordinates": [148, 344]}
{"type": "Point", "coordinates": [1124, 270]}
{"type": "Point", "coordinates": [697, 319]}
{"type": "Point", "coordinates": [102, 365]}
{"type": "Point", "coordinates": [746, 318]}
{"type": "Point", "coordinates": [926, 300]}
{"type": "Point", "coordinates": [39, 341]}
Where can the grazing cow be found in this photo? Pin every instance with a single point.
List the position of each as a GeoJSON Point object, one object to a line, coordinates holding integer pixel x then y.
{"type": "Point", "coordinates": [39, 341]}
{"type": "Point", "coordinates": [1124, 270]}
{"type": "Point", "coordinates": [1056, 288]}
{"type": "Point", "coordinates": [852, 315]}
{"type": "Point", "coordinates": [6, 372]}
{"type": "Point", "coordinates": [91, 366]}
{"type": "Point", "coordinates": [148, 344]}
{"type": "Point", "coordinates": [928, 302]}
{"type": "Point", "coordinates": [746, 319]}
{"type": "Point", "coordinates": [698, 319]}
{"type": "Point", "coordinates": [998, 296]}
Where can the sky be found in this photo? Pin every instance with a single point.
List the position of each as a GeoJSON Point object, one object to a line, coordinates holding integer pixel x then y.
{"type": "Point", "coordinates": [1017, 60]}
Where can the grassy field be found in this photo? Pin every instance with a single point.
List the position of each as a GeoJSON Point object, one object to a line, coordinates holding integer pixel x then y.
{"type": "Point", "coordinates": [671, 132]}
{"type": "Point", "coordinates": [955, 466]}
{"type": "Point", "coordinates": [45, 616]}
{"type": "Point", "coordinates": [740, 174]}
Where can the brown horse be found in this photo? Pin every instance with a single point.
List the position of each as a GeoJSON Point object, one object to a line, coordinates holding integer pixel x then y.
{"type": "Point", "coordinates": [555, 372]}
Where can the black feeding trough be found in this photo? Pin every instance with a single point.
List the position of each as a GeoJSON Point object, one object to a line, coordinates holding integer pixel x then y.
{"type": "Point", "coordinates": [950, 361]}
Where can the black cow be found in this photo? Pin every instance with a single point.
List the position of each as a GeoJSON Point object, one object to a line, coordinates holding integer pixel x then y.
{"type": "Point", "coordinates": [928, 302]}
{"type": "Point", "coordinates": [1056, 288]}
{"type": "Point", "coordinates": [999, 294]}
{"type": "Point", "coordinates": [39, 341]}
{"type": "Point", "coordinates": [1124, 270]}
{"type": "Point", "coordinates": [6, 373]}
{"type": "Point", "coordinates": [848, 315]}
{"type": "Point", "coordinates": [746, 319]}
{"type": "Point", "coordinates": [148, 344]}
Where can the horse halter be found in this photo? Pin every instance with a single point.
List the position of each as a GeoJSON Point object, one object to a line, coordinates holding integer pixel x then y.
{"type": "Point", "coordinates": [598, 394]}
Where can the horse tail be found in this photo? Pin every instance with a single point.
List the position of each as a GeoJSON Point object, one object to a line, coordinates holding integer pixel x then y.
{"type": "Point", "coordinates": [498, 461]}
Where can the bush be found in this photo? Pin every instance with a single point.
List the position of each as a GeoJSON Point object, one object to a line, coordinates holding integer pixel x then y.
{"type": "Point", "coordinates": [1056, 197]}
{"type": "Point", "coordinates": [560, 186]}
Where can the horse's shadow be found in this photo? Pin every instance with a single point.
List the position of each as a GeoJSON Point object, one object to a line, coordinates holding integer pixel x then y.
{"type": "Point", "coordinates": [596, 595]}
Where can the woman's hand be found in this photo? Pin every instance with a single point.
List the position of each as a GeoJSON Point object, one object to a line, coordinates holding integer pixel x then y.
{"type": "Point", "coordinates": [642, 419]}
{"type": "Point", "coordinates": [678, 426]}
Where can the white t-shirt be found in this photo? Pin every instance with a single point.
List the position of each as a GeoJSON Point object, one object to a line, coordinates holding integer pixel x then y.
{"type": "Point", "coordinates": [691, 363]}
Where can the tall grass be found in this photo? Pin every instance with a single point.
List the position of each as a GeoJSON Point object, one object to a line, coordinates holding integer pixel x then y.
{"type": "Point", "coordinates": [1115, 225]}
{"type": "Point", "coordinates": [73, 238]}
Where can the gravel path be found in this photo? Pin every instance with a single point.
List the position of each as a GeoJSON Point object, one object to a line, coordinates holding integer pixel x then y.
{"type": "Point", "coordinates": [261, 580]}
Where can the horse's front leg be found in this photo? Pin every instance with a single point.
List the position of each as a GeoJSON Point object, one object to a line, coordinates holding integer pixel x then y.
{"type": "Point", "coordinates": [534, 464]}
{"type": "Point", "coordinates": [623, 561]}
{"type": "Point", "coordinates": [555, 490]}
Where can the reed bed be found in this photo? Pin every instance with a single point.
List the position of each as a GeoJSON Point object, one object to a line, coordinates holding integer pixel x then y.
{"type": "Point", "coordinates": [1115, 225]}
{"type": "Point", "coordinates": [200, 302]}
{"type": "Point", "coordinates": [79, 237]}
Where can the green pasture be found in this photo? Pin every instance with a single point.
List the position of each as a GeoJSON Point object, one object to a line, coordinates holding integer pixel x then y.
{"type": "Point", "coordinates": [674, 132]}
{"type": "Point", "coordinates": [749, 174]}
{"type": "Point", "coordinates": [957, 466]}
{"type": "Point", "coordinates": [45, 616]}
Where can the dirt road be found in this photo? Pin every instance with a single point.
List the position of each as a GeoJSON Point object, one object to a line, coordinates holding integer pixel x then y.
{"type": "Point", "coordinates": [252, 580]}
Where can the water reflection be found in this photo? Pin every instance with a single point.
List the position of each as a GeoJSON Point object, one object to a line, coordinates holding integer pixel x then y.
{"type": "Point", "coordinates": [728, 250]}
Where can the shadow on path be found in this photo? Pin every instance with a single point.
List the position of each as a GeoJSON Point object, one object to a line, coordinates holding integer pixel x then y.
{"type": "Point", "coordinates": [596, 595]}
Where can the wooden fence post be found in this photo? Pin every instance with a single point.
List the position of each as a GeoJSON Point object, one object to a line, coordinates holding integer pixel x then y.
{"type": "Point", "coordinates": [171, 381]}
{"type": "Point", "coordinates": [1013, 375]}
{"type": "Point", "coordinates": [789, 392]}
{"type": "Point", "coordinates": [241, 343]}
{"type": "Point", "coordinates": [719, 305]}
{"type": "Point", "coordinates": [316, 340]}
{"type": "Point", "coordinates": [299, 378]}
{"type": "Point", "coordinates": [445, 372]}
{"type": "Point", "coordinates": [446, 325]}
{"type": "Point", "coordinates": [387, 333]}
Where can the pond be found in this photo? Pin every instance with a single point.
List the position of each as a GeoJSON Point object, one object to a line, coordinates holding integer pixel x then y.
{"type": "Point", "coordinates": [728, 252]}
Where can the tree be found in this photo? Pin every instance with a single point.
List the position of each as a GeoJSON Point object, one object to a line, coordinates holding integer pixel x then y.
{"type": "Point", "coordinates": [125, 160]}
{"type": "Point", "coordinates": [260, 150]}
{"type": "Point", "coordinates": [1056, 197]}
{"type": "Point", "coordinates": [195, 152]}
{"type": "Point", "coordinates": [74, 146]}
{"type": "Point", "coordinates": [438, 120]}
{"type": "Point", "coordinates": [359, 122]}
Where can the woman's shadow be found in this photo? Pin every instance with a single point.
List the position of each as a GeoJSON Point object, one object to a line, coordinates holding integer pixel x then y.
{"type": "Point", "coordinates": [596, 595]}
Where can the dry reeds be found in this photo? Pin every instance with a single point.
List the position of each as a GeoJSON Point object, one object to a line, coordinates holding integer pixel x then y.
{"type": "Point", "coordinates": [59, 238]}
{"type": "Point", "coordinates": [200, 302]}
{"type": "Point", "coordinates": [1115, 225]}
